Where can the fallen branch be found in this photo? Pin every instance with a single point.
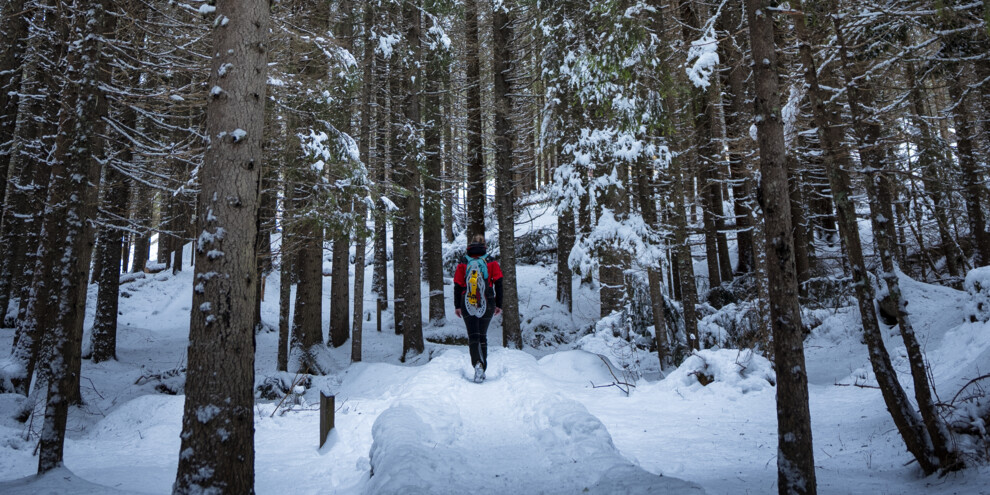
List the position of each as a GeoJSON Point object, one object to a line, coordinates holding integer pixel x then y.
{"type": "Point", "coordinates": [860, 385]}
{"type": "Point", "coordinates": [295, 381]}
{"type": "Point", "coordinates": [615, 384]}
{"type": "Point", "coordinates": [617, 381]}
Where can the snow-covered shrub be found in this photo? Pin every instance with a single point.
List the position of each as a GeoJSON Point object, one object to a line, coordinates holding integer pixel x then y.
{"type": "Point", "coordinates": [537, 246]}
{"type": "Point", "coordinates": [169, 382]}
{"type": "Point", "coordinates": [452, 334]}
{"type": "Point", "coordinates": [612, 338]}
{"type": "Point", "coordinates": [640, 315]}
{"type": "Point", "coordinates": [549, 327]}
{"type": "Point", "coordinates": [735, 325]}
{"type": "Point", "coordinates": [742, 370]}
{"type": "Point", "coordinates": [278, 385]}
{"type": "Point", "coordinates": [828, 292]}
{"type": "Point", "coordinates": [977, 285]}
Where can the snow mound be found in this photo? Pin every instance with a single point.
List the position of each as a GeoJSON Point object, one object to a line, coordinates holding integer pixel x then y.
{"type": "Point", "coordinates": [512, 434]}
{"type": "Point", "coordinates": [577, 367]}
{"type": "Point", "coordinates": [741, 370]}
{"type": "Point", "coordinates": [977, 284]}
{"type": "Point", "coordinates": [59, 480]}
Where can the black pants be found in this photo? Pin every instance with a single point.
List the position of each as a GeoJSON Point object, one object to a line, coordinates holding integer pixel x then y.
{"type": "Point", "coordinates": [477, 329]}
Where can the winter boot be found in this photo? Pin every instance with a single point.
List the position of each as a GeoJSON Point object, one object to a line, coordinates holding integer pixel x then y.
{"type": "Point", "coordinates": [479, 373]}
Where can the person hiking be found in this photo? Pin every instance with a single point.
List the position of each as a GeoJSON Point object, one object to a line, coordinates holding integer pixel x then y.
{"type": "Point", "coordinates": [477, 298]}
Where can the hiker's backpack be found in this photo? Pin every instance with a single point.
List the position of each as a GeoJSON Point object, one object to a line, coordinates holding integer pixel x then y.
{"type": "Point", "coordinates": [476, 279]}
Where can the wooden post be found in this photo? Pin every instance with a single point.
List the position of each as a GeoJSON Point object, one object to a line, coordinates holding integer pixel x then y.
{"type": "Point", "coordinates": [326, 416]}
{"type": "Point", "coordinates": [380, 304]}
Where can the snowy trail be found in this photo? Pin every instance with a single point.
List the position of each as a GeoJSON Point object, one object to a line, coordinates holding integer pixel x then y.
{"type": "Point", "coordinates": [512, 434]}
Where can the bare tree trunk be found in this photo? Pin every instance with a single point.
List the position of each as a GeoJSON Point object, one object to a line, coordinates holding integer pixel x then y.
{"type": "Point", "coordinates": [734, 84]}
{"type": "Point", "coordinates": [685, 264]}
{"type": "Point", "coordinates": [449, 184]}
{"type": "Point", "coordinates": [795, 458]}
{"type": "Point", "coordinates": [930, 159]}
{"type": "Point", "coordinates": [565, 242]}
{"type": "Point", "coordinates": [972, 182]}
{"type": "Point", "coordinates": [27, 176]}
{"type": "Point", "coordinates": [286, 271]}
{"type": "Point", "coordinates": [14, 29]}
{"type": "Point", "coordinates": [142, 216]}
{"type": "Point", "coordinates": [340, 301]}
{"type": "Point", "coordinates": [384, 140]}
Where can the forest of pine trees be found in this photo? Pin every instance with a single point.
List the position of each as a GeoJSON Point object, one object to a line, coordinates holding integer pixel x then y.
{"type": "Point", "coordinates": [762, 139]}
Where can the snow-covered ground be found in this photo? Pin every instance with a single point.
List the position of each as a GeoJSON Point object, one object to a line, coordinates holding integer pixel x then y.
{"type": "Point", "coordinates": [545, 421]}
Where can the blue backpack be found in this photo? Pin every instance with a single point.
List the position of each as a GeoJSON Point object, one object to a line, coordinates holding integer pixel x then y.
{"type": "Point", "coordinates": [476, 281]}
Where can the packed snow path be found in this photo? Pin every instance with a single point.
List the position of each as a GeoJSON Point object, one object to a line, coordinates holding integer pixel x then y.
{"type": "Point", "coordinates": [511, 434]}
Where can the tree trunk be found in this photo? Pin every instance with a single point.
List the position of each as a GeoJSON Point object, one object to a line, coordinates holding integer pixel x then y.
{"type": "Point", "coordinates": [432, 187]}
{"type": "Point", "coordinates": [104, 336]}
{"type": "Point", "coordinates": [476, 187]}
{"type": "Point", "coordinates": [407, 222]}
{"type": "Point", "coordinates": [383, 140]}
{"type": "Point", "coordinates": [972, 182]}
{"type": "Point", "coordinates": [869, 143]}
{"type": "Point", "coordinates": [14, 28]}
{"type": "Point", "coordinates": [71, 199]}
{"type": "Point", "coordinates": [685, 264]}
{"type": "Point", "coordinates": [217, 451]}
{"type": "Point", "coordinates": [449, 186]}
{"type": "Point", "coordinates": [26, 176]}
{"type": "Point", "coordinates": [142, 216]}
{"type": "Point", "coordinates": [565, 242]}
{"type": "Point", "coordinates": [340, 301]}
{"type": "Point", "coordinates": [360, 208]}
{"type": "Point", "coordinates": [503, 70]}
{"type": "Point", "coordinates": [734, 101]}
{"type": "Point", "coordinates": [795, 458]}
{"type": "Point", "coordinates": [930, 159]}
